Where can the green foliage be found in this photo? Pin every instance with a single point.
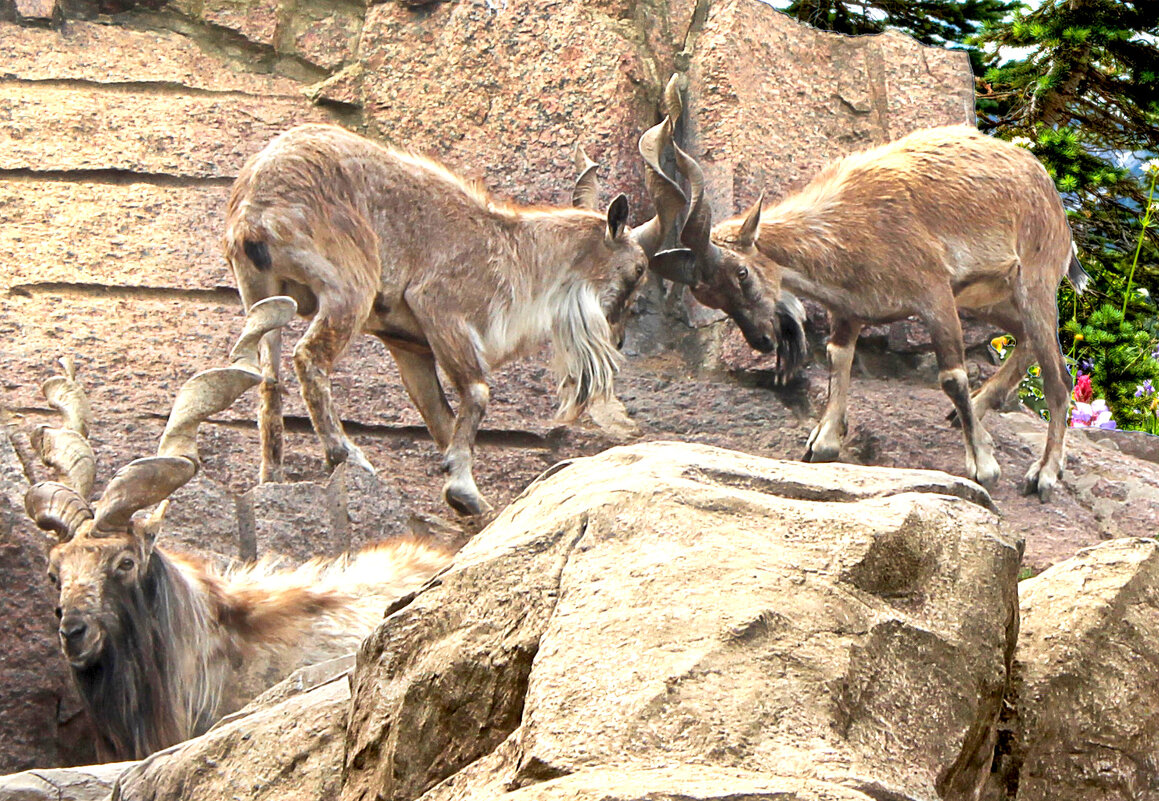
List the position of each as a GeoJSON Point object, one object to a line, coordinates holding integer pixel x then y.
{"type": "Point", "coordinates": [947, 23]}
{"type": "Point", "coordinates": [1084, 94]}
{"type": "Point", "coordinates": [1120, 354]}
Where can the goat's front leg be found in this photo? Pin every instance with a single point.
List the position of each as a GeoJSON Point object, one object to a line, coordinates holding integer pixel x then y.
{"type": "Point", "coordinates": [421, 380]}
{"type": "Point", "coordinates": [941, 316]}
{"type": "Point", "coordinates": [455, 349]}
{"type": "Point", "coordinates": [824, 443]}
{"type": "Point", "coordinates": [338, 318]}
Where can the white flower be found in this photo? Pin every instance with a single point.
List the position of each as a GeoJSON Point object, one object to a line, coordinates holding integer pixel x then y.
{"type": "Point", "coordinates": [1151, 165]}
{"type": "Point", "coordinates": [1028, 143]}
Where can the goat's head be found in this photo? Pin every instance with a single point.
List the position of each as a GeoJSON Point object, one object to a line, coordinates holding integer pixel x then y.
{"type": "Point", "coordinates": [100, 558]}
{"type": "Point", "coordinates": [724, 270]}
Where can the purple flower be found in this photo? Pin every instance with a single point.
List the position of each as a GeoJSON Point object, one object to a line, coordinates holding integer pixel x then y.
{"type": "Point", "coordinates": [1144, 389]}
{"type": "Point", "coordinates": [1092, 415]}
{"type": "Point", "coordinates": [1085, 366]}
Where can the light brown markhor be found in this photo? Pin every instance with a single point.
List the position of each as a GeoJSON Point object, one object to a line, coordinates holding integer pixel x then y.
{"type": "Point", "coordinates": [375, 240]}
{"type": "Point", "coordinates": [161, 646]}
{"type": "Point", "coordinates": [942, 220]}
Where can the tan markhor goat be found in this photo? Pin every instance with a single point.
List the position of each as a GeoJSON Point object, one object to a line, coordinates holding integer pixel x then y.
{"type": "Point", "coordinates": [941, 220]}
{"type": "Point", "coordinates": [161, 645]}
{"type": "Point", "coordinates": [370, 239]}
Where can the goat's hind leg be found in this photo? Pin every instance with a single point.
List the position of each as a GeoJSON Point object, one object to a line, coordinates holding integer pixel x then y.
{"type": "Point", "coordinates": [1041, 320]}
{"type": "Point", "coordinates": [824, 442]}
{"type": "Point", "coordinates": [421, 380]}
{"type": "Point", "coordinates": [992, 395]}
{"type": "Point", "coordinates": [941, 316]}
{"type": "Point", "coordinates": [339, 317]}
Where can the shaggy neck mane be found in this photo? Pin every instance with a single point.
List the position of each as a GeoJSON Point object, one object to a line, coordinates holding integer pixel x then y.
{"type": "Point", "coordinates": [138, 696]}
{"type": "Point", "coordinates": [584, 360]}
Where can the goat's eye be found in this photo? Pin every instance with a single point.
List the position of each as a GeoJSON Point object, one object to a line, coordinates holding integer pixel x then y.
{"type": "Point", "coordinates": [639, 270]}
{"type": "Point", "coordinates": [126, 564]}
{"type": "Point", "coordinates": [55, 579]}
{"type": "Point", "coordinates": [742, 272]}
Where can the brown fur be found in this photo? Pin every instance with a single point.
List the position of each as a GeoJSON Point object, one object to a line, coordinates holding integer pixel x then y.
{"type": "Point", "coordinates": [392, 244]}
{"type": "Point", "coordinates": [941, 220]}
{"type": "Point", "coordinates": [162, 645]}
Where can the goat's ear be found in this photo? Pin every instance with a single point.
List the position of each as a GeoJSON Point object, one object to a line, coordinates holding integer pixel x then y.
{"type": "Point", "coordinates": [677, 265]}
{"type": "Point", "coordinates": [148, 528]}
{"type": "Point", "coordinates": [750, 229]}
{"type": "Point", "coordinates": [617, 216]}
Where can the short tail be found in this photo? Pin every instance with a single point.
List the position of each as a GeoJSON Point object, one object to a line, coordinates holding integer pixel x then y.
{"type": "Point", "coordinates": [259, 253]}
{"type": "Point", "coordinates": [1077, 276]}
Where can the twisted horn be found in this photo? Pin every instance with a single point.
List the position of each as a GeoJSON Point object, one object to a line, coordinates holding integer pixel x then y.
{"type": "Point", "coordinates": [57, 508]}
{"type": "Point", "coordinates": [145, 482]}
{"type": "Point", "coordinates": [587, 186]}
{"type": "Point", "coordinates": [66, 450]}
{"type": "Point", "coordinates": [696, 233]}
{"type": "Point", "coordinates": [61, 506]}
{"type": "Point", "coordinates": [666, 195]}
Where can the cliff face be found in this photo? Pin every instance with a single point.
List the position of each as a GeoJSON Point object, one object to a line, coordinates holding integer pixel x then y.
{"type": "Point", "coordinates": [123, 124]}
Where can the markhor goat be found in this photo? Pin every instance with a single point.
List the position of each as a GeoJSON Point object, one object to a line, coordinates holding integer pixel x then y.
{"type": "Point", "coordinates": [940, 220]}
{"type": "Point", "coordinates": [161, 646]}
{"type": "Point", "coordinates": [370, 239]}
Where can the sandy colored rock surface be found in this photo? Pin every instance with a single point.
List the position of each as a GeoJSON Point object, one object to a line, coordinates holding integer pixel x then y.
{"type": "Point", "coordinates": [55, 128]}
{"type": "Point", "coordinates": [88, 783]}
{"type": "Point", "coordinates": [290, 751]}
{"type": "Point", "coordinates": [101, 235]}
{"type": "Point", "coordinates": [690, 783]}
{"type": "Point", "coordinates": [687, 605]}
{"type": "Point", "coordinates": [103, 53]}
{"type": "Point", "coordinates": [1082, 719]}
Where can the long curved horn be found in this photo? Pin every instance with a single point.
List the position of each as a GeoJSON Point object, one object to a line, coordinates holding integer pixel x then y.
{"type": "Point", "coordinates": [66, 450]}
{"type": "Point", "coordinates": [57, 508]}
{"type": "Point", "coordinates": [145, 482]}
{"type": "Point", "coordinates": [61, 506]}
{"type": "Point", "coordinates": [668, 198]}
{"type": "Point", "coordinates": [587, 186]}
{"type": "Point", "coordinates": [696, 233]}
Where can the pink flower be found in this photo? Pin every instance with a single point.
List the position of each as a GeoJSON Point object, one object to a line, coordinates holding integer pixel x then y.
{"type": "Point", "coordinates": [1082, 389]}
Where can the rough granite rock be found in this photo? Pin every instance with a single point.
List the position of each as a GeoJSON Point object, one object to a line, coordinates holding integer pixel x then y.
{"type": "Point", "coordinates": [40, 719]}
{"type": "Point", "coordinates": [289, 751]}
{"type": "Point", "coordinates": [686, 605]}
{"type": "Point", "coordinates": [505, 95]}
{"type": "Point", "coordinates": [88, 783]}
{"type": "Point", "coordinates": [1083, 723]}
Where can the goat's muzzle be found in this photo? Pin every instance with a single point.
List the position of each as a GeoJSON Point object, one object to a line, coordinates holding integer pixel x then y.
{"type": "Point", "coordinates": [81, 642]}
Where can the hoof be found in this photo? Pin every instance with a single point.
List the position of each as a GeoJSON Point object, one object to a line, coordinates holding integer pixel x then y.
{"type": "Point", "coordinates": [358, 459]}
{"type": "Point", "coordinates": [353, 456]}
{"type": "Point", "coordinates": [816, 453]}
{"type": "Point", "coordinates": [987, 473]}
{"type": "Point", "coordinates": [1038, 483]}
{"type": "Point", "coordinates": [465, 501]}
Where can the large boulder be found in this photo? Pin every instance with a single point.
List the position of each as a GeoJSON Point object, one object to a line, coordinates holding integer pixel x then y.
{"type": "Point", "coordinates": [673, 605]}
{"type": "Point", "coordinates": [1083, 722]}
{"type": "Point", "coordinates": [285, 746]}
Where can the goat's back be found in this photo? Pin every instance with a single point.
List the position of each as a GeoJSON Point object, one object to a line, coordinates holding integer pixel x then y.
{"type": "Point", "coordinates": [274, 621]}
